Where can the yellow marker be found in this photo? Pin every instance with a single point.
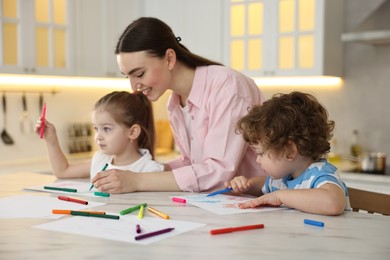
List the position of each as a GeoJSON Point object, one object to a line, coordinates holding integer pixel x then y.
{"type": "Point", "coordinates": [141, 212]}
{"type": "Point", "coordinates": [158, 213]}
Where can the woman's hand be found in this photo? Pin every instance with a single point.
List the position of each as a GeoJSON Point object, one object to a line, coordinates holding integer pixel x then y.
{"type": "Point", "coordinates": [239, 184]}
{"type": "Point", "coordinates": [270, 199]}
{"type": "Point", "coordinates": [115, 181]}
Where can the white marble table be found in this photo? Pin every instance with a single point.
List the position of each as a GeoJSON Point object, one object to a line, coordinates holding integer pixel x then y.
{"type": "Point", "coordinates": [350, 236]}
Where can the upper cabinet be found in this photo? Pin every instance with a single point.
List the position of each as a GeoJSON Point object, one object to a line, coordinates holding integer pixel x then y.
{"type": "Point", "coordinates": [285, 37]}
{"type": "Point", "coordinates": [99, 26]}
{"type": "Point", "coordinates": [35, 37]}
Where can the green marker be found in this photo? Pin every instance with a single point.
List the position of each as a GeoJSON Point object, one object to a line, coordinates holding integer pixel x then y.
{"type": "Point", "coordinates": [127, 211]}
{"type": "Point", "coordinates": [87, 214]}
{"type": "Point", "coordinates": [101, 194]}
{"type": "Point", "coordinates": [58, 188]}
{"type": "Point", "coordinates": [104, 168]}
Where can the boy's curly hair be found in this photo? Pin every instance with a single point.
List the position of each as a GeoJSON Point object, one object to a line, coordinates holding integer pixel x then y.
{"type": "Point", "coordinates": [296, 117]}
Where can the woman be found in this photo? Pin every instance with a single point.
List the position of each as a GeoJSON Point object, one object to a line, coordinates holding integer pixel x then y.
{"type": "Point", "coordinates": [206, 102]}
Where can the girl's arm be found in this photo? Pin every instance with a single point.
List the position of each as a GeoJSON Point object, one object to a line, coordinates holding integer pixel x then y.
{"type": "Point", "coordinates": [58, 162]}
{"type": "Point", "coordinates": [119, 181]}
{"type": "Point", "coordinates": [329, 199]}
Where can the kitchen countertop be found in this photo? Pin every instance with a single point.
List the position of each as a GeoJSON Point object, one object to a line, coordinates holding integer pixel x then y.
{"type": "Point", "coordinates": [371, 182]}
{"type": "Point", "coordinates": [352, 235]}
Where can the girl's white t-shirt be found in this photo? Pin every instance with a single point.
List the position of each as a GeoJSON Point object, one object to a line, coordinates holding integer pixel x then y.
{"type": "Point", "coordinates": [144, 164]}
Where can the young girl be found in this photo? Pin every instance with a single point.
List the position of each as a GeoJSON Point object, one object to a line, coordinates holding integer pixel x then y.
{"type": "Point", "coordinates": [124, 133]}
{"type": "Point", "coordinates": [206, 102]}
{"type": "Point", "coordinates": [291, 134]}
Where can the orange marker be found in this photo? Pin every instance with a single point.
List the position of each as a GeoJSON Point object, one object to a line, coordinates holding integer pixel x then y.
{"type": "Point", "coordinates": [68, 211]}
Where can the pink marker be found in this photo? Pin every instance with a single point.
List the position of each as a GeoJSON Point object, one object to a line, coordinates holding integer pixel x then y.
{"type": "Point", "coordinates": [179, 200]}
{"type": "Point", "coordinates": [43, 118]}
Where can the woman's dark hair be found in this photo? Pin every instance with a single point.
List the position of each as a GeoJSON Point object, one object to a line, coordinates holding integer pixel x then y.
{"type": "Point", "coordinates": [155, 37]}
{"type": "Point", "coordinates": [296, 117]}
{"type": "Point", "coordinates": [131, 108]}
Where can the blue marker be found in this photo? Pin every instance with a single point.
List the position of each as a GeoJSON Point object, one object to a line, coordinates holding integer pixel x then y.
{"type": "Point", "coordinates": [219, 192]}
{"type": "Point", "coordinates": [313, 222]}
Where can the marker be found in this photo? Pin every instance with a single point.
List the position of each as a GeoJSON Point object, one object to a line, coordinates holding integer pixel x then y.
{"type": "Point", "coordinates": [158, 213]}
{"type": "Point", "coordinates": [219, 192]}
{"type": "Point", "coordinates": [179, 200]}
{"type": "Point", "coordinates": [60, 189]}
{"type": "Point", "coordinates": [104, 168]}
{"type": "Point", "coordinates": [155, 233]}
{"type": "Point", "coordinates": [67, 211]}
{"type": "Point", "coordinates": [101, 194]}
{"type": "Point", "coordinates": [141, 212]}
{"type": "Point", "coordinates": [129, 210]}
{"type": "Point", "coordinates": [87, 214]}
{"type": "Point", "coordinates": [233, 229]}
{"type": "Point", "coordinates": [313, 222]}
{"type": "Point", "coordinates": [43, 118]}
{"type": "Point", "coordinates": [73, 200]}
{"type": "Point", "coordinates": [138, 228]}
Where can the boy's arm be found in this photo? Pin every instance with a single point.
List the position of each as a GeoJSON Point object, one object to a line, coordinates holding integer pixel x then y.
{"type": "Point", "coordinates": [329, 199]}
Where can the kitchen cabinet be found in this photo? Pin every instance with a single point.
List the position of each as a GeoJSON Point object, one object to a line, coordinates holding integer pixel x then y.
{"type": "Point", "coordinates": [35, 37]}
{"type": "Point", "coordinates": [199, 24]}
{"type": "Point", "coordinates": [100, 23]}
{"type": "Point", "coordinates": [285, 37]}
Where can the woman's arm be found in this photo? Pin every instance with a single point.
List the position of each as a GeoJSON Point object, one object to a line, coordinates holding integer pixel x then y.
{"type": "Point", "coordinates": [119, 181]}
{"type": "Point", "coordinates": [329, 199]}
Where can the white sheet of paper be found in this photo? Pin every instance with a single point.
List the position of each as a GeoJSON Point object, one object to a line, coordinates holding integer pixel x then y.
{"type": "Point", "coordinates": [223, 204]}
{"type": "Point", "coordinates": [81, 187]}
{"type": "Point", "coordinates": [123, 229]}
{"type": "Point", "coordinates": [27, 206]}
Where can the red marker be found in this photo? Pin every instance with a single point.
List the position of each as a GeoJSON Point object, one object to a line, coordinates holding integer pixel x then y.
{"type": "Point", "coordinates": [43, 118]}
{"type": "Point", "coordinates": [233, 229]}
{"type": "Point", "coordinates": [73, 200]}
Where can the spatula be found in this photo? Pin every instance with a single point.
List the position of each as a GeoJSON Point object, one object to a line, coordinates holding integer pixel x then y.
{"type": "Point", "coordinates": [7, 139]}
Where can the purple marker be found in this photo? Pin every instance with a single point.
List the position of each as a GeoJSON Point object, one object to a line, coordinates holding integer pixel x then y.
{"type": "Point", "coordinates": [155, 233]}
{"type": "Point", "coordinates": [138, 228]}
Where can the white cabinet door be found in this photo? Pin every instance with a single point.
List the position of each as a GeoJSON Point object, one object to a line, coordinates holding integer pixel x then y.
{"type": "Point", "coordinates": [199, 24]}
{"type": "Point", "coordinates": [285, 37]}
{"type": "Point", "coordinates": [36, 37]}
{"type": "Point", "coordinates": [99, 25]}
{"type": "Point", "coordinates": [120, 13]}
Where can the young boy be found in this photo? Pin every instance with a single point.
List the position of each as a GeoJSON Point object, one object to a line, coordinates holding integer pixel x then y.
{"type": "Point", "coordinates": [291, 134]}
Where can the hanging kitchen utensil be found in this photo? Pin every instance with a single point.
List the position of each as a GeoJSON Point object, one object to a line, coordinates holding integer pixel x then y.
{"type": "Point", "coordinates": [7, 139]}
{"type": "Point", "coordinates": [26, 123]}
{"type": "Point", "coordinates": [40, 105]}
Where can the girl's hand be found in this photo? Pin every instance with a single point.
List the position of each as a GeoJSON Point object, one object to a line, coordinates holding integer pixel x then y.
{"type": "Point", "coordinates": [270, 199]}
{"type": "Point", "coordinates": [239, 184]}
{"type": "Point", "coordinates": [49, 132]}
{"type": "Point", "coordinates": [115, 181]}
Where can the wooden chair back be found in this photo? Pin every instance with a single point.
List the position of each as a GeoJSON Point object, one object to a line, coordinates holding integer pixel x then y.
{"type": "Point", "coordinates": [371, 202]}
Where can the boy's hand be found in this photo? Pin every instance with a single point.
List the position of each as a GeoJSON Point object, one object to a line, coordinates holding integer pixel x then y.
{"type": "Point", "coordinates": [270, 199]}
{"type": "Point", "coordinates": [239, 184]}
